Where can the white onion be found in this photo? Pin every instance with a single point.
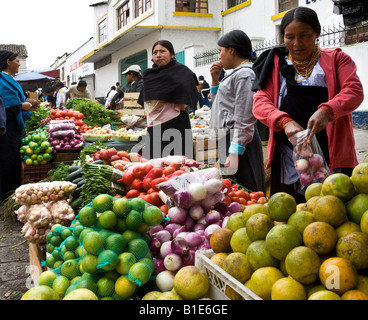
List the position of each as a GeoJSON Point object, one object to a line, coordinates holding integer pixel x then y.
{"type": "Point", "coordinates": [165, 280]}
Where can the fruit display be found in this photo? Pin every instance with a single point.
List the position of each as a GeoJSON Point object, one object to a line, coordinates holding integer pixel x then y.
{"type": "Point", "coordinates": [35, 149]}
{"type": "Point", "coordinates": [105, 250]}
{"type": "Point", "coordinates": [97, 134]}
{"type": "Point", "coordinates": [125, 134]}
{"type": "Point", "coordinates": [315, 250]}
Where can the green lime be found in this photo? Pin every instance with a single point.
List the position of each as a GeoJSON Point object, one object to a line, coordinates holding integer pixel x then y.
{"type": "Point", "coordinates": [137, 204]}
{"type": "Point", "coordinates": [71, 243]}
{"type": "Point", "coordinates": [108, 219]}
{"type": "Point", "coordinates": [87, 216]}
{"type": "Point", "coordinates": [121, 207]}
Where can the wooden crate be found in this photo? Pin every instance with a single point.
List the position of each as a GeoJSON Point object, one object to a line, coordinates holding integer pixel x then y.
{"type": "Point", "coordinates": [205, 151]}
{"type": "Point", "coordinates": [31, 174]}
{"type": "Point", "coordinates": [37, 254]}
{"type": "Point", "coordinates": [130, 106]}
{"type": "Point", "coordinates": [66, 155]}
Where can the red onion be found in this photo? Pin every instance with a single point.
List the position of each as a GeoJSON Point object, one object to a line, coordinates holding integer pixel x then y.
{"type": "Point", "coordinates": [213, 185]}
{"type": "Point", "coordinates": [202, 221]}
{"type": "Point", "coordinates": [171, 227]}
{"type": "Point", "coordinates": [183, 199]}
{"type": "Point", "coordinates": [212, 216]}
{"type": "Point", "coordinates": [212, 199]}
{"type": "Point", "coordinates": [305, 179]}
{"type": "Point", "coordinates": [182, 234]}
{"type": "Point", "coordinates": [189, 223]}
{"type": "Point", "coordinates": [234, 207]}
{"type": "Point", "coordinates": [221, 207]}
{"type": "Point", "coordinates": [154, 229]}
{"type": "Point", "coordinates": [173, 262]}
{"type": "Point", "coordinates": [301, 165]}
{"type": "Point", "coordinates": [194, 239]}
{"type": "Point", "coordinates": [163, 236]}
{"type": "Point", "coordinates": [204, 245]}
{"type": "Point", "coordinates": [159, 266]}
{"type": "Point", "coordinates": [196, 212]}
{"type": "Point", "coordinates": [177, 231]}
{"type": "Point", "coordinates": [165, 248]}
{"type": "Point", "coordinates": [199, 227]}
{"type": "Point", "coordinates": [189, 258]}
{"type": "Point", "coordinates": [224, 222]}
{"type": "Point", "coordinates": [154, 245]}
{"type": "Point", "coordinates": [211, 229]}
{"type": "Point", "coordinates": [321, 174]}
{"type": "Point", "coordinates": [315, 162]}
{"type": "Point", "coordinates": [179, 246]}
{"type": "Point", "coordinates": [177, 215]}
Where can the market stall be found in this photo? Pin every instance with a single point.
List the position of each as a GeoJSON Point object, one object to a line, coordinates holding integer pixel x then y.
{"type": "Point", "coordinates": [111, 224]}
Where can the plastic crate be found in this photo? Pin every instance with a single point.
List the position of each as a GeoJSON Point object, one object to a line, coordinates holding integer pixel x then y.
{"type": "Point", "coordinates": [219, 279]}
{"type": "Point", "coordinates": [32, 174]}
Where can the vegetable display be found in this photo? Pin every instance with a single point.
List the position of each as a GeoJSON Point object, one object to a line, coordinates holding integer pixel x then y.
{"type": "Point", "coordinates": [35, 149]}
{"type": "Point", "coordinates": [66, 114]}
{"type": "Point", "coordinates": [63, 134]}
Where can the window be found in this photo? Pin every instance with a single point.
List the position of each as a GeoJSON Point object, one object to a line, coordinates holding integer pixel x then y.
{"type": "Point", "coordinates": [123, 15]}
{"type": "Point", "coordinates": [141, 6]}
{"type": "Point", "coordinates": [102, 31]}
{"type": "Point", "coordinates": [285, 5]}
{"type": "Point", "coordinates": [197, 6]}
{"type": "Point", "coordinates": [233, 3]}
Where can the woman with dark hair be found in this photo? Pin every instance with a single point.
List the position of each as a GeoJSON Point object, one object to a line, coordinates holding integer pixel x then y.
{"type": "Point", "coordinates": [301, 86]}
{"type": "Point", "coordinates": [232, 122]}
{"type": "Point", "coordinates": [17, 112]}
{"type": "Point", "coordinates": [168, 89]}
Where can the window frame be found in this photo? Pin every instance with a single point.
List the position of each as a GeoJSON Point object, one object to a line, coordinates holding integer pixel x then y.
{"type": "Point", "coordinates": [102, 31]}
{"type": "Point", "coordinates": [122, 17]}
{"type": "Point", "coordinates": [141, 6]}
{"type": "Point", "coordinates": [283, 3]}
{"type": "Point", "coordinates": [194, 6]}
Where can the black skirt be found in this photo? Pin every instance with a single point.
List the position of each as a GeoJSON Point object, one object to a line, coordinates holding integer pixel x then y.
{"type": "Point", "coordinates": [250, 172]}
{"type": "Point", "coordinates": [173, 137]}
{"type": "Point", "coordinates": [10, 161]}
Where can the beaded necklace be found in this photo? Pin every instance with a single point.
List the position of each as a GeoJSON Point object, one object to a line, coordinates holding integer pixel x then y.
{"type": "Point", "coordinates": [305, 68]}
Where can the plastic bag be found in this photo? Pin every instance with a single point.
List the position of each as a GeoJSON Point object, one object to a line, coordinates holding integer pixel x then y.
{"type": "Point", "coordinates": [199, 187]}
{"type": "Point", "coordinates": [309, 161]}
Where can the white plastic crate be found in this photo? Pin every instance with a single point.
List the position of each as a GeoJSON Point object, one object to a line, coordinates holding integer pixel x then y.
{"type": "Point", "coordinates": [219, 279]}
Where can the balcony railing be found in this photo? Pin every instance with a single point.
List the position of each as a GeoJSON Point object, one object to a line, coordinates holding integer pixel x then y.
{"type": "Point", "coordinates": [331, 37]}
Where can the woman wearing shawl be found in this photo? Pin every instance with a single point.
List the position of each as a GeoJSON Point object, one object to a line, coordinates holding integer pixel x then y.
{"type": "Point", "coordinates": [300, 86]}
{"type": "Point", "coordinates": [168, 88]}
{"type": "Point", "coordinates": [16, 114]}
{"type": "Point", "coordinates": [232, 122]}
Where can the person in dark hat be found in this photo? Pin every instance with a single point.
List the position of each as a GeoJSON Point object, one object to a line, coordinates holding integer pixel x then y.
{"type": "Point", "coordinates": [135, 84]}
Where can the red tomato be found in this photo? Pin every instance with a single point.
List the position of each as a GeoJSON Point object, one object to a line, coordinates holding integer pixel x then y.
{"type": "Point", "coordinates": [261, 194]}
{"type": "Point", "coordinates": [164, 208]}
{"type": "Point", "coordinates": [150, 190]}
{"type": "Point", "coordinates": [262, 200]}
{"type": "Point", "coordinates": [250, 202]}
{"type": "Point", "coordinates": [175, 165]}
{"type": "Point", "coordinates": [157, 181]}
{"type": "Point", "coordinates": [227, 200]}
{"type": "Point", "coordinates": [118, 196]}
{"type": "Point", "coordinates": [226, 184]}
{"type": "Point", "coordinates": [139, 172]}
{"type": "Point", "coordinates": [156, 172]}
{"type": "Point", "coordinates": [254, 196]}
{"type": "Point", "coordinates": [137, 184]}
{"type": "Point", "coordinates": [242, 200]}
{"type": "Point", "coordinates": [169, 170]}
{"type": "Point", "coordinates": [235, 187]}
{"type": "Point", "coordinates": [156, 200]}
{"type": "Point", "coordinates": [147, 183]}
{"type": "Point", "coordinates": [132, 194]}
{"type": "Point", "coordinates": [240, 193]}
{"type": "Point", "coordinates": [235, 199]}
{"type": "Point", "coordinates": [127, 178]}
{"type": "Point", "coordinates": [122, 154]}
{"type": "Point", "coordinates": [147, 167]}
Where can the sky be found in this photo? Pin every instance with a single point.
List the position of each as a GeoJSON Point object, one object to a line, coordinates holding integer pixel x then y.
{"type": "Point", "coordinates": [48, 28]}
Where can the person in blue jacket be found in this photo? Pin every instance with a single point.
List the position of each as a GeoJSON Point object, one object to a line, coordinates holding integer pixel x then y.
{"type": "Point", "coordinates": [17, 112]}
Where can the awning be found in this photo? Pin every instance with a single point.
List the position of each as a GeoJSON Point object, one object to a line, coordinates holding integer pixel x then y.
{"type": "Point", "coordinates": [32, 76]}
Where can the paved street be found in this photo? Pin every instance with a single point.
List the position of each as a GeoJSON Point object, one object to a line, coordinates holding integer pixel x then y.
{"type": "Point", "coordinates": [14, 254]}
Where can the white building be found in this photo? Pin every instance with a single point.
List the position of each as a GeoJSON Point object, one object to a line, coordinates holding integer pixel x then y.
{"type": "Point", "coordinates": [125, 30]}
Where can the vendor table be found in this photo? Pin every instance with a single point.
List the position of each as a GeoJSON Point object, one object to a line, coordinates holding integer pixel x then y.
{"type": "Point", "coordinates": [118, 145]}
